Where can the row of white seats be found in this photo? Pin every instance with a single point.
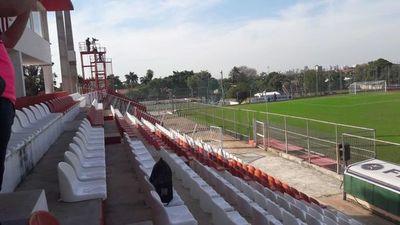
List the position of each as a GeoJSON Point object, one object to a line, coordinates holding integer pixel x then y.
{"type": "Point", "coordinates": [210, 201]}
{"type": "Point", "coordinates": [83, 174]}
{"type": "Point", "coordinates": [235, 196]}
{"type": "Point", "coordinates": [284, 208]}
{"type": "Point", "coordinates": [33, 131]}
{"type": "Point", "coordinates": [306, 212]}
{"type": "Point", "coordinates": [79, 98]}
{"type": "Point", "coordinates": [172, 214]}
{"type": "Point", "coordinates": [90, 96]}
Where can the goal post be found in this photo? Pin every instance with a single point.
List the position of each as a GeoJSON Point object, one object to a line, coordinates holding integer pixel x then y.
{"type": "Point", "coordinates": [367, 86]}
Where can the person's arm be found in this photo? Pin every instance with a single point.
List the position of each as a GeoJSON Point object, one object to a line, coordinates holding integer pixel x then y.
{"type": "Point", "coordinates": [11, 8]}
{"type": "Point", "coordinates": [11, 36]}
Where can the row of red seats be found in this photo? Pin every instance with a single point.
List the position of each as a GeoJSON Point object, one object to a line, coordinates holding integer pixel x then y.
{"type": "Point", "coordinates": [124, 127]}
{"type": "Point", "coordinates": [150, 137]}
{"type": "Point", "coordinates": [140, 114]}
{"type": "Point", "coordinates": [135, 104]}
{"type": "Point", "coordinates": [185, 151]}
{"type": "Point", "coordinates": [245, 171]}
{"type": "Point", "coordinates": [95, 116]}
{"type": "Point", "coordinates": [61, 104]}
{"type": "Point", "coordinates": [25, 102]}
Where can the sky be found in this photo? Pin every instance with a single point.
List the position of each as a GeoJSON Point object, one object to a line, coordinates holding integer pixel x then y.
{"type": "Point", "coordinates": [216, 35]}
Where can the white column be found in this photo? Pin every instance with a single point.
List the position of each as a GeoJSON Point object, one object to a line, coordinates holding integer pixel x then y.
{"type": "Point", "coordinates": [48, 79]}
{"type": "Point", "coordinates": [71, 51]}
{"type": "Point", "coordinates": [62, 47]}
{"type": "Point", "coordinates": [16, 58]}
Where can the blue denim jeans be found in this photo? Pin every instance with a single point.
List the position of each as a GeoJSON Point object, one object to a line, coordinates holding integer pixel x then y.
{"type": "Point", "coordinates": [7, 113]}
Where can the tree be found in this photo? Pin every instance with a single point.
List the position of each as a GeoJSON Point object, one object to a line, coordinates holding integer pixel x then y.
{"type": "Point", "coordinates": [131, 79]}
{"type": "Point", "coordinates": [115, 82]}
{"type": "Point", "coordinates": [199, 83]}
{"type": "Point", "coordinates": [146, 79]}
{"type": "Point", "coordinates": [34, 82]}
{"type": "Point", "coordinates": [242, 74]}
{"type": "Point", "coordinates": [240, 92]}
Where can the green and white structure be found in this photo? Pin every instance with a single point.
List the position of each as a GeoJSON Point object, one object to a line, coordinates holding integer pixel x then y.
{"type": "Point", "coordinates": [375, 182]}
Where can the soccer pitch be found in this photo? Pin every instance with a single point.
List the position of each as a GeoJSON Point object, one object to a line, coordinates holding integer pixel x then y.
{"type": "Point", "coordinates": [377, 111]}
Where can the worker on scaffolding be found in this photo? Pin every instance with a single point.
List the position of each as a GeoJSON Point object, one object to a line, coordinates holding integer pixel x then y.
{"type": "Point", "coordinates": [94, 43]}
{"type": "Point", "coordinates": [87, 44]}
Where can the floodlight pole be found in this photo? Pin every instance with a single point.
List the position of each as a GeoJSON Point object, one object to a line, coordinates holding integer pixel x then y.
{"type": "Point", "coordinates": [222, 87]}
{"type": "Point", "coordinates": [316, 79]}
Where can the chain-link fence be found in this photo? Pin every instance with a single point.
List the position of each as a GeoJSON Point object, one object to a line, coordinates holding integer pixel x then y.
{"type": "Point", "coordinates": [362, 148]}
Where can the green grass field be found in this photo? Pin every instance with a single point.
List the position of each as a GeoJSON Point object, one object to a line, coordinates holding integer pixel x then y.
{"type": "Point", "coordinates": [379, 111]}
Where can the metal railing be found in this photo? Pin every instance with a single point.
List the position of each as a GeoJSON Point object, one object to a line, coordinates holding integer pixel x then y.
{"type": "Point", "coordinates": [313, 140]}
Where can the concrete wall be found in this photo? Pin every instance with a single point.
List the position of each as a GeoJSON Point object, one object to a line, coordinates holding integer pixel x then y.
{"type": "Point", "coordinates": [33, 45]}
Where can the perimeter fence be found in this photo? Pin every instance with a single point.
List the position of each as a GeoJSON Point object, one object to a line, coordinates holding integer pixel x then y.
{"type": "Point", "coordinates": [313, 140]}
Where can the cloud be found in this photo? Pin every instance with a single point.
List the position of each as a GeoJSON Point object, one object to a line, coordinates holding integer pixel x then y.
{"type": "Point", "coordinates": [170, 35]}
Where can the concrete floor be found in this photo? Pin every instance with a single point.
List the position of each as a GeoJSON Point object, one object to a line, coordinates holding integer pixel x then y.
{"type": "Point", "coordinates": [44, 176]}
{"type": "Point", "coordinates": [125, 202]}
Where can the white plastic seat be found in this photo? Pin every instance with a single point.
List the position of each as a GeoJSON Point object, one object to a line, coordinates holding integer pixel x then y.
{"type": "Point", "coordinates": [23, 133]}
{"type": "Point", "coordinates": [87, 153]}
{"type": "Point", "coordinates": [41, 110]}
{"type": "Point", "coordinates": [90, 144]}
{"type": "Point", "coordinates": [260, 200]}
{"type": "Point", "coordinates": [311, 220]}
{"type": "Point", "coordinates": [260, 216]}
{"type": "Point", "coordinates": [144, 156]}
{"type": "Point", "coordinates": [274, 210]}
{"type": "Point", "coordinates": [331, 214]}
{"type": "Point", "coordinates": [145, 171]}
{"type": "Point", "coordinates": [257, 186]}
{"type": "Point", "coordinates": [283, 203]}
{"type": "Point", "coordinates": [329, 221]}
{"type": "Point", "coordinates": [176, 199]}
{"type": "Point", "coordinates": [244, 204]}
{"type": "Point", "coordinates": [94, 162]}
{"type": "Point", "coordinates": [231, 193]}
{"type": "Point", "coordinates": [41, 124]}
{"type": "Point", "coordinates": [270, 194]}
{"type": "Point", "coordinates": [289, 198]}
{"type": "Point", "coordinates": [289, 219]}
{"type": "Point", "coordinates": [88, 124]}
{"type": "Point", "coordinates": [84, 145]}
{"type": "Point", "coordinates": [220, 205]}
{"type": "Point", "coordinates": [34, 129]}
{"type": "Point", "coordinates": [228, 218]}
{"type": "Point", "coordinates": [315, 214]}
{"type": "Point", "coordinates": [96, 135]}
{"type": "Point", "coordinates": [169, 215]}
{"type": "Point", "coordinates": [82, 173]}
{"type": "Point", "coordinates": [298, 212]}
{"type": "Point", "coordinates": [74, 190]}
{"type": "Point", "coordinates": [146, 163]}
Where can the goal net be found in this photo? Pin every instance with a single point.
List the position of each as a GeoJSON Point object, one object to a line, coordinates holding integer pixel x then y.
{"type": "Point", "coordinates": [366, 86]}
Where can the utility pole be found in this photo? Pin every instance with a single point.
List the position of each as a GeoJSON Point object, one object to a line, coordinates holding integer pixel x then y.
{"type": "Point", "coordinates": [316, 80]}
{"type": "Point", "coordinates": [222, 88]}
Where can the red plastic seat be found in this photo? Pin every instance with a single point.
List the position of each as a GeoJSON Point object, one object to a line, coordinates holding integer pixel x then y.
{"type": "Point", "coordinates": [43, 218]}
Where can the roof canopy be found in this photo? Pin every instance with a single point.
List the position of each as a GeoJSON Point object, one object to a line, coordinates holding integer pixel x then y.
{"type": "Point", "coordinates": [57, 5]}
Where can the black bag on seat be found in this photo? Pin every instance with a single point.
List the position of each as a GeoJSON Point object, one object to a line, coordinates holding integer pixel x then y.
{"type": "Point", "coordinates": [161, 178]}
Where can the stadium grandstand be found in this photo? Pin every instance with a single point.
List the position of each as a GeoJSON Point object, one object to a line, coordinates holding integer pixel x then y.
{"type": "Point", "coordinates": [85, 155]}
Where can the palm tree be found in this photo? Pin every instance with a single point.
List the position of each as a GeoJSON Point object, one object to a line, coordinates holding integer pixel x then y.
{"type": "Point", "coordinates": [131, 79]}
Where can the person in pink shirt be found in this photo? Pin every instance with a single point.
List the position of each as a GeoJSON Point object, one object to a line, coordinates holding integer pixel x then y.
{"type": "Point", "coordinates": [20, 9]}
